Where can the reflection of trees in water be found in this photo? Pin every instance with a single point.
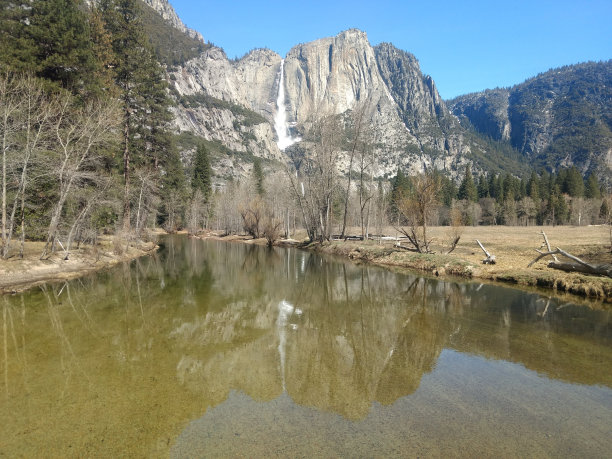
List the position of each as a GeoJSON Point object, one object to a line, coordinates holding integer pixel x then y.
{"type": "Point", "coordinates": [202, 315]}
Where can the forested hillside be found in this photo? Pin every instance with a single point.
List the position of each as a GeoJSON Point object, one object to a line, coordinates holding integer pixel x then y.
{"type": "Point", "coordinates": [559, 118]}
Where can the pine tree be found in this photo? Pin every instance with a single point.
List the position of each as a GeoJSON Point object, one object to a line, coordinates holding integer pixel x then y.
{"type": "Point", "coordinates": [102, 48]}
{"type": "Point", "coordinates": [558, 206]}
{"type": "Point", "coordinates": [574, 185]}
{"type": "Point", "coordinates": [139, 79]}
{"type": "Point", "coordinates": [483, 187]}
{"type": "Point", "coordinates": [604, 211]}
{"type": "Point", "coordinates": [447, 189]}
{"type": "Point", "coordinates": [400, 186]}
{"type": "Point", "coordinates": [592, 188]}
{"type": "Point", "coordinates": [258, 177]}
{"type": "Point", "coordinates": [63, 48]}
{"type": "Point", "coordinates": [202, 173]}
{"type": "Point", "coordinates": [467, 189]}
{"type": "Point", "coordinates": [533, 190]}
{"type": "Point", "coordinates": [17, 48]}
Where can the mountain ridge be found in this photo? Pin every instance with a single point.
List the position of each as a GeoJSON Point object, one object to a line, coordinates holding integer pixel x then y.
{"type": "Point", "coordinates": [558, 118]}
{"type": "Point", "coordinates": [411, 125]}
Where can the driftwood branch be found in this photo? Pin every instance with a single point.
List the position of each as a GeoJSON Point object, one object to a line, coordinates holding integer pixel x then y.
{"type": "Point", "coordinates": [578, 265]}
{"type": "Point", "coordinates": [490, 260]}
{"type": "Point", "coordinates": [548, 246]}
{"type": "Point", "coordinates": [453, 244]}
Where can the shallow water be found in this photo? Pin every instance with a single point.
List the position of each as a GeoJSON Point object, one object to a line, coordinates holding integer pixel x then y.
{"type": "Point", "coordinates": [215, 349]}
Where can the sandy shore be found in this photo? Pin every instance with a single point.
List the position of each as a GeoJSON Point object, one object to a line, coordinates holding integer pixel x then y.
{"type": "Point", "coordinates": [17, 274]}
{"type": "Point", "coordinates": [514, 247]}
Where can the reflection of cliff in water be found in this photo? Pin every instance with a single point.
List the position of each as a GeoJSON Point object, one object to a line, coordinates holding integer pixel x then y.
{"type": "Point", "coordinates": [177, 332]}
{"type": "Point", "coordinates": [367, 334]}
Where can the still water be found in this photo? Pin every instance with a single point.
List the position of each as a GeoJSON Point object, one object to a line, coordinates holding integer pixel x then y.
{"type": "Point", "coordinates": [216, 349]}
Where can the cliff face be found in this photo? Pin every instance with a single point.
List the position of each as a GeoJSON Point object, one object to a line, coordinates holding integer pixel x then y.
{"type": "Point", "coordinates": [231, 103]}
{"type": "Point", "coordinates": [408, 123]}
{"type": "Point", "coordinates": [487, 111]}
{"type": "Point", "coordinates": [167, 12]}
{"type": "Point", "coordinates": [559, 118]}
{"type": "Point", "coordinates": [333, 75]}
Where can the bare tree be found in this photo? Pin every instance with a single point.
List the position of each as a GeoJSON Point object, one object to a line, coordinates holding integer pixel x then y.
{"type": "Point", "coordinates": [271, 229]}
{"type": "Point", "coordinates": [252, 216]}
{"type": "Point", "coordinates": [455, 228]}
{"type": "Point", "coordinates": [147, 196]}
{"type": "Point", "coordinates": [79, 134]}
{"type": "Point", "coordinates": [381, 208]}
{"type": "Point", "coordinates": [367, 159]}
{"type": "Point", "coordinates": [417, 207]}
{"type": "Point", "coordinates": [196, 212]}
{"type": "Point", "coordinates": [10, 106]}
{"type": "Point", "coordinates": [356, 144]}
{"type": "Point", "coordinates": [31, 125]}
{"type": "Point", "coordinates": [316, 182]}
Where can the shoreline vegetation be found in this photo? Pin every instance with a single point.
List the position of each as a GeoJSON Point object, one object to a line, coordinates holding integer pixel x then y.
{"type": "Point", "coordinates": [514, 247]}
{"type": "Point", "coordinates": [21, 274]}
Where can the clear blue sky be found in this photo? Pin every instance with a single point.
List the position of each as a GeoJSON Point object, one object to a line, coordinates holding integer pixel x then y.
{"type": "Point", "coordinates": [464, 45]}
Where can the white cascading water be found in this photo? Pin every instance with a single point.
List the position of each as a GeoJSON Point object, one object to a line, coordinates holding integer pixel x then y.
{"type": "Point", "coordinates": [280, 119]}
{"type": "Point", "coordinates": [285, 311]}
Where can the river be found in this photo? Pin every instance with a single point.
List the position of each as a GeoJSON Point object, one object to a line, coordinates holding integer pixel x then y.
{"type": "Point", "coordinates": [212, 349]}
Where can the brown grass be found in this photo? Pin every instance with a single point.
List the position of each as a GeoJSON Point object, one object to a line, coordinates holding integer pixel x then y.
{"type": "Point", "coordinates": [18, 274]}
{"type": "Point", "coordinates": [514, 248]}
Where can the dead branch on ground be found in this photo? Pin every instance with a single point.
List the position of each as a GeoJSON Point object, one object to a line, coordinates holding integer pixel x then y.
{"type": "Point", "coordinates": [490, 260]}
{"type": "Point", "coordinates": [578, 265]}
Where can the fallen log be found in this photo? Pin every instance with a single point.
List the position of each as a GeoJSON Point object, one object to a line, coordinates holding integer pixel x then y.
{"type": "Point", "coordinates": [578, 265]}
{"type": "Point", "coordinates": [598, 270]}
{"type": "Point", "coordinates": [490, 260]}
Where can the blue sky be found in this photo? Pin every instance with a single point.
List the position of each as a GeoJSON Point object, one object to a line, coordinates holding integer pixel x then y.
{"type": "Point", "coordinates": [464, 45]}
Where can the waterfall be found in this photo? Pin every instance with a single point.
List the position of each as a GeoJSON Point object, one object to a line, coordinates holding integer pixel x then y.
{"type": "Point", "coordinates": [285, 311]}
{"type": "Point", "coordinates": [280, 119]}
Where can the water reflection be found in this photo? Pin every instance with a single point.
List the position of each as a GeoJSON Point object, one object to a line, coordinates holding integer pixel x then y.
{"type": "Point", "coordinates": [122, 361]}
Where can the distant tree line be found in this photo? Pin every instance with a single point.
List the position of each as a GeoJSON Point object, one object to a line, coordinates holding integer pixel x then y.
{"type": "Point", "coordinates": [495, 199]}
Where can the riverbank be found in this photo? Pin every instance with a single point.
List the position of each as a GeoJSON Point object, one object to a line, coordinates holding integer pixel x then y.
{"type": "Point", "coordinates": [514, 248]}
{"type": "Point", "coordinates": [19, 274]}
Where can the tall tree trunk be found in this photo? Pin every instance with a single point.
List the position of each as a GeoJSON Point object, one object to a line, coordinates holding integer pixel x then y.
{"type": "Point", "coordinates": [126, 171]}
{"type": "Point", "coordinates": [4, 148]}
{"type": "Point", "coordinates": [22, 246]}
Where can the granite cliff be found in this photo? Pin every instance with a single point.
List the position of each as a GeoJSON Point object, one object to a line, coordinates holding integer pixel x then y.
{"type": "Point", "coordinates": [409, 124]}
{"type": "Point", "coordinates": [556, 119]}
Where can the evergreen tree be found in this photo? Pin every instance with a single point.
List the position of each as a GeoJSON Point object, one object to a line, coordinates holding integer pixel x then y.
{"type": "Point", "coordinates": [558, 208]}
{"type": "Point", "coordinates": [570, 182]}
{"type": "Point", "coordinates": [17, 48]}
{"type": "Point", "coordinates": [447, 190]}
{"type": "Point", "coordinates": [102, 48]}
{"type": "Point", "coordinates": [483, 187]}
{"type": "Point", "coordinates": [467, 189]}
{"type": "Point", "coordinates": [63, 49]}
{"type": "Point", "coordinates": [533, 187]}
{"type": "Point", "coordinates": [511, 188]}
{"type": "Point", "coordinates": [522, 188]}
{"type": "Point", "coordinates": [546, 183]}
{"type": "Point", "coordinates": [604, 211]}
{"type": "Point", "coordinates": [202, 173]}
{"type": "Point", "coordinates": [258, 177]}
{"type": "Point", "coordinates": [591, 190]}
{"type": "Point", "coordinates": [139, 79]}
{"type": "Point", "coordinates": [400, 186]}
